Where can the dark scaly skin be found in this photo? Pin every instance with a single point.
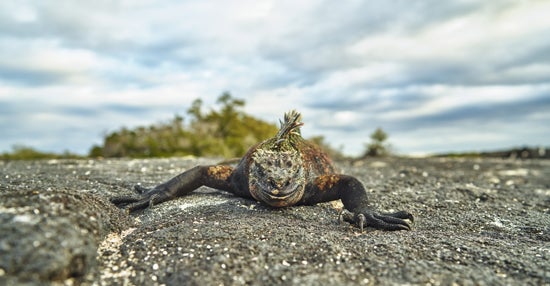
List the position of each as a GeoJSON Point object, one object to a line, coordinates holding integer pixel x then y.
{"type": "Point", "coordinates": [282, 171]}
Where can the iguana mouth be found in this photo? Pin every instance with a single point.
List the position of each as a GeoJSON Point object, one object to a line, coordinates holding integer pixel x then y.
{"type": "Point", "coordinates": [281, 201]}
{"type": "Point", "coordinates": [279, 197]}
{"type": "Point", "coordinates": [276, 197]}
{"type": "Point", "coordinates": [278, 191]}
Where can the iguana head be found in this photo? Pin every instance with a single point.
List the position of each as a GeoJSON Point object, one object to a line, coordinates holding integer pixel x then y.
{"type": "Point", "coordinates": [276, 174]}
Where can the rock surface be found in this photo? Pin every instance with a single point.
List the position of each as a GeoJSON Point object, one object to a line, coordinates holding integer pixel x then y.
{"type": "Point", "coordinates": [478, 222]}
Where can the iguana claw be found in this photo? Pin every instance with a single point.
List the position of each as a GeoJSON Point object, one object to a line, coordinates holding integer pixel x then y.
{"type": "Point", "coordinates": [386, 221]}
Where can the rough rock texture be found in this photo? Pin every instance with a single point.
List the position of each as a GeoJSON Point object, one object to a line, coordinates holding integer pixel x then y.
{"type": "Point", "coordinates": [478, 222]}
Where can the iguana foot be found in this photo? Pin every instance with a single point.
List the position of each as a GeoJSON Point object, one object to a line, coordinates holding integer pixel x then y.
{"type": "Point", "coordinates": [385, 221]}
{"type": "Point", "coordinates": [146, 198]}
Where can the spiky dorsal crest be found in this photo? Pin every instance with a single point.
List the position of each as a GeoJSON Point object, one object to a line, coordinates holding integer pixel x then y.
{"type": "Point", "coordinates": [290, 126]}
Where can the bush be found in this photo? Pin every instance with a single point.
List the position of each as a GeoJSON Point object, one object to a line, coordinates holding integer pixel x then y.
{"type": "Point", "coordinates": [21, 152]}
{"type": "Point", "coordinates": [377, 147]}
{"type": "Point", "coordinates": [228, 132]}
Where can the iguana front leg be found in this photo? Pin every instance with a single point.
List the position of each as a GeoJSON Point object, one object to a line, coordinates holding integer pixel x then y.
{"type": "Point", "coordinates": [354, 197]}
{"type": "Point", "coordinates": [215, 176]}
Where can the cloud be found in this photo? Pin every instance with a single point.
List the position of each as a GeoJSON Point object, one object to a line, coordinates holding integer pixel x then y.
{"type": "Point", "coordinates": [42, 62]}
{"type": "Point", "coordinates": [422, 69]}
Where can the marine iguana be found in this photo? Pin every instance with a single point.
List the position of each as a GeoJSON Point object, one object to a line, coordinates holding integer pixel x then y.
{"type": "Point", "coordinates": [281, 171]}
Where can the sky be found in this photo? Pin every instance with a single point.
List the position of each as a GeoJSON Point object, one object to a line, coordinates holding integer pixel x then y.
{"type": "Point", "coordinates": [437, 76]}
